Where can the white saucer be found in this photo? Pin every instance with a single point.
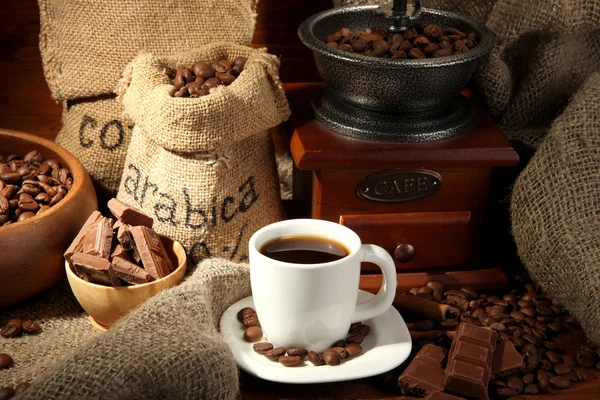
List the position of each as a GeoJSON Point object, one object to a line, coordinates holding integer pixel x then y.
{"type": "Point", "coordinates": [387, 346]}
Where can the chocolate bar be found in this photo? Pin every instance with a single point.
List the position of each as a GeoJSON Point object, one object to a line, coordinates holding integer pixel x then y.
{"type": "Point", "coordinates": [119, 251]}
{"type": "Point", "coordinates": [442, 396]}
{"type": "Point", "coordinates": [507, 361]}
{"type": "Point", "coordinates": [152, 252]}
{"type": "Point", "coordinates": [76, 245]}
{"type": "Point", "coordinates": [129, 215]}
{"type": "Point", "coordinates": [424, 375]}
{"type": "Point", "coordinates": [130, 272]}
{"type": "Point", "coordinates": [94, 269]}
{"type": "Point", "coordinates": [470, 361]}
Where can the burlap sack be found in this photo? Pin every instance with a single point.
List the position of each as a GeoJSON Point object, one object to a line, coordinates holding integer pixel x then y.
{"type": "Point", "coordinates": [545, 50]}
{"type": "Point", "coordinates": [555, 207]}
{"type": "Point", "coordinates": [204, 167]}
{"type": "Point", "coordinates": [168, 348]}
{"type": "Point", "coordinates": [85, 45]}
{"type": "Point", "coordinates": [98, 134]}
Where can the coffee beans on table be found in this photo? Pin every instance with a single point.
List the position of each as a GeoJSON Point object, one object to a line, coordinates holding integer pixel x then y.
{"type": "Point", "coordinates": [418, 42]}
{"type": "Point", "coordinates": [201, 77]}
{"type": "Point", "coordinates": [30, 185]}
{"type": "Point", "coordinates": [5, 360]}
{"type": "Point", "coordinates": [113, 252]}
{"type": "Point", "coordinates": [340, 350]}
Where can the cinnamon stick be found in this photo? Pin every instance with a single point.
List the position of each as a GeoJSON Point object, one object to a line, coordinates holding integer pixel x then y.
{"type": "Point", "coordinates": [426, 325]}
{"type": "Point", "coordinates": [430, 335]}
{"type": "Point", "coordinates": [425, 308]}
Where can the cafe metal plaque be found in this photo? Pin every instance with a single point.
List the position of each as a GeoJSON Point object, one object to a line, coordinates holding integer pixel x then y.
{"type": "Point", "coordinates": [399, 185]}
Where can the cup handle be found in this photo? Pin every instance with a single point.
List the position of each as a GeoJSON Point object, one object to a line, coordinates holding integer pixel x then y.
{"type": "Point", "coordinates": [385, 297]}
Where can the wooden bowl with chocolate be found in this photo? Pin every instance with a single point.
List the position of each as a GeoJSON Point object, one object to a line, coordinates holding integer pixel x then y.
{"type": "Point", "coordinates": [45, 197]}
{"type": "Point", "coordinates": [116, 263]}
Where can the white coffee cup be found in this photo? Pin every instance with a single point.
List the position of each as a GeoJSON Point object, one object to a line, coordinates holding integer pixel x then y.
{"type": "Point", "coordinates": [312, 305]}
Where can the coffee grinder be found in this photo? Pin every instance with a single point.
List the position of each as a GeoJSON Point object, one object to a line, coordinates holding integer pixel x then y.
{"type": "Point", "coordinates": [400, 152]}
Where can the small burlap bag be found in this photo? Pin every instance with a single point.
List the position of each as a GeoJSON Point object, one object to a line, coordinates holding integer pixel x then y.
{"type": "Point", "coordinates": [85, 45]}
{"type": "Point", "coordinates": [168, 348]}
{"type": "Point", "coordinates": [204, 167]}
{"type": "Point", "coordinates": [555, 207]}
{"type": "Point", "coordinates": [98, 134]}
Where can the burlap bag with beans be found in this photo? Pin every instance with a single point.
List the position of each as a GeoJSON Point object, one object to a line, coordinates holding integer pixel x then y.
{"type": "Point", "coordinates": [204, 167]}
{"type": "Point", "coordinates": [168, 348]}
{"type": "Point", "coordinates": [85, 45]}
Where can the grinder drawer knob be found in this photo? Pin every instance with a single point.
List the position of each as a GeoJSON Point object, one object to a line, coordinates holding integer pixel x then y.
{"type": "Point", "coordinates": [404, 252]}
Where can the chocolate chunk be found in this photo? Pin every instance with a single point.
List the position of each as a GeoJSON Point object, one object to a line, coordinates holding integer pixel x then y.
{"type": "Point", "coordinates": [442, 396]}
{"type": "Point", "coordinates": [152, 252]}
{"type": "Point", "coordinates": [76, 245]}
{"type": "Point", "coordinates": [470, 361]}
{"type": "Point", "coordinates": [96, 269]}
{"type": "Point", "coordinates": [129, 272]}
{"type": "Point", "coordinates": [129, 215]}
{"type": "Point", "coordinates": [119, 251]}
{"type": "Point", "coordinates": [424, 375]}
{"type": "Point", "coordinates": [506, 361]}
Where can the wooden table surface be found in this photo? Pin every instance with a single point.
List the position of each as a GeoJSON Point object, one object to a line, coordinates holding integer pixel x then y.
{"type": "Point", "coordinates": [25, 105]}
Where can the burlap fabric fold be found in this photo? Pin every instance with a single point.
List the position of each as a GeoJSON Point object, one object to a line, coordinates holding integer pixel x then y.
{"type": "Point", "coordinates": [204, 168]}
{"type": "Point", "coordinates": [545, 50]}
{"type": "Point", "coordinates": [555, 207]}
{"type": "Point", "coordinates": [168, 348]}
{"type": "Point", "coordinates": [85, 45]}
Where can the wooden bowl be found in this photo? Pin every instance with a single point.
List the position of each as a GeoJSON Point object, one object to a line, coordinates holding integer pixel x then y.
{"type": "Point", "coordinates": [106, 304]}
{"type": "Point", "coordinates": [31, 251]}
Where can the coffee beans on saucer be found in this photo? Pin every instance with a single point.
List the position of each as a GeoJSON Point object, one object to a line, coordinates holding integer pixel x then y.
{"type": "Point", "coordinates": [30, 185]}
{"type": "Point", "coordinates": [201, 77]}
{"type": "Point", "coordinates": [339, 351]}
{"type": "Point", "coordinates": [118, 251]}
{"type": "Point", "coordinates": [418, 42]}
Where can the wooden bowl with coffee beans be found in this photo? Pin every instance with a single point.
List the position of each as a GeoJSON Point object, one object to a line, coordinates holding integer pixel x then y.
{"type": "Point", "coordinates": [45, 197]}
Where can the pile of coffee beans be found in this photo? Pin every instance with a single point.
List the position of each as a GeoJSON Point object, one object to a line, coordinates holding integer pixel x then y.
{"type": "Point", "coordinates": [418, 42]}
{"type": "Point", "coordinates": [198, 80]}
{"type": "Point", "coordinates": [15, 327]}
{"type": "Point", "coordinates": [528, 319]}
{"type": "Point", "coordinates": [30, 185]}
{"type": "Point", "coordinates": [339, 351]}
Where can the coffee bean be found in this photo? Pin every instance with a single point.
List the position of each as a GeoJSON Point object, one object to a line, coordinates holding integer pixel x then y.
{"type": "Point", "coordinates": [290, 361]}
{"type": "Point", "coordinates": [12, 328]}
{"type": "Point", "coordinates": [569, 359]}
{"type": "Point", "coordinates": [359, 45]}
{"type": "Point", "coordinates": [275, 353]}
{"type": "Point", "coordinates": [497, 383]}
{"type": "Point", "coordinates": [5, 360]}
{"type": "Point", "coordinates": [528, 378]}
{"type": "Point", "coordinates": [359, 336]}
{"type": "Point", "coordinates": [586, 357]}
{"type": "Point", "coordinates": [543, 379]}
{"type": "Point", "coordinates": [436, 285]}
{"type": "Point", "coordinates": [433, 31]}
{"type": "Point", "coordinates": [253, 334]}
{"type": "Point", "coordinates": [582, 373]}
{"type": "Point", "coordinates": [7, 393]}
{"type": "Point", "coordinates": [506, 392]}
{"type": "Point", "coordinates": [498, 327]}
{"type": "Point", "coordinates": [341, 351]}
{"type": "Point", "coordinates": [553, 357]}
{"type": "Point", "coordinates": [514, 382]}
{"type": "Point", "coordinates": [530, 338]}
{"type": "Point", "coordinates": [572, 376]}
{"type": "Point", "coordinates": [226, 78]}
{"type": "Point", "coordinates": [339, 343]}
{"type": "Point", "coordinates": [297, 352]}
{"type": "Point", "coordinates": [559, 382]}
{"type": "Point", "coordinates": [203, 70]}
{"type": "Point", "coordinates": [21, 387]}
{"type": "Point", "coordinates": [262, 347]}
{"type": "Point", "coordinates": [352, 350]}
{"type": "Point", "coordinates": [331, 357]}
{"type": "Point", "coordinates": [315, 358]}
{"type": "Point", "coordinates": [531, 389]}
{"type": "Point", "coordinates": [562, 369]}
{"type": "Point", "coordinates": [555, 326]}
{"type": "Point", "coordinates": [517, 315]}
{"type": "Point", "coordinates": [251, 320]}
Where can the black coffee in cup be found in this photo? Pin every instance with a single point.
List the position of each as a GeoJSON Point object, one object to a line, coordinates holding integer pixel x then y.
{"type": "Point", "coordinates": [304, 250]}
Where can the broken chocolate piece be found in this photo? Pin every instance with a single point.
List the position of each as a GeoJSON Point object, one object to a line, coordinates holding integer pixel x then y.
{"type": "Point", "coordinates": [129, 215]}
{"type": "Point", "coordinates": [152, 252]}
{"type": "Point", "coordinates": [76, 245]}
{"type": "Point", "coordinates": [96, 269]}
{"type": "Point", "coordinates": [442, 396]}
{"type": "Point", "coordinates": [129, 272]}
{"type": "Point", "coordinates": [507, 361]}
{"type": "Point", "coordinates": [470, 361]}
{"type": "Point", "coordinates": [119, 251]}
{"type": "Point", "coordinates": [424, 375]}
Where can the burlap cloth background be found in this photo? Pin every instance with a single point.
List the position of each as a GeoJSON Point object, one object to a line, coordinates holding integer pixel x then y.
{"type": "Point", "coordinates": [168, 348]}
{"type": "Point", "coordinates": [540, 85]}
